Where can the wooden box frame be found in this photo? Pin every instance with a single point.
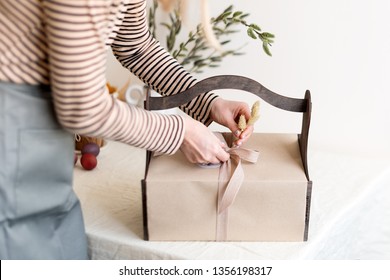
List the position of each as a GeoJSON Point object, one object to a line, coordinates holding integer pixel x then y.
{"type": "Point", "coordinates": [303, 106]}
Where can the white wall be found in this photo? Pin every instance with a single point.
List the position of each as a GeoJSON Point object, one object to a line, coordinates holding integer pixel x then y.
{"type": "Point", "coordinates": [339, 49]}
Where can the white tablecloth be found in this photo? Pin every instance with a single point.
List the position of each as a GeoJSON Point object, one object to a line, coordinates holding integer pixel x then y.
{"type": "Point", "coordinates": [350, 212]}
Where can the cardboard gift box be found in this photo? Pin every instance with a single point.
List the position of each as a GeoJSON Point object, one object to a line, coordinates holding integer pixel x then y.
{"type": "Point", "coordinates": [267, 199]}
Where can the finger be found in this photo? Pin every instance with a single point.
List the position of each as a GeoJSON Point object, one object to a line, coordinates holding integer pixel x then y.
{"type": "Point", "coordinates": [245, 135]}
{"type": "Point", "coordinates": [233, 127]}
{"type": "Point", "coordinates": [247, 132]}
{"type": "Point", "coordinates": [222, 156]}
{"type": "Point", "coordinates": [236, 132]}
{"type": "Point", "coordinates": [223, 145]}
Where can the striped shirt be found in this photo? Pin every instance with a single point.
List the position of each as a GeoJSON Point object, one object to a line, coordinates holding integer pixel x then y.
{"type": "Point", "coordinates": [63, 43]}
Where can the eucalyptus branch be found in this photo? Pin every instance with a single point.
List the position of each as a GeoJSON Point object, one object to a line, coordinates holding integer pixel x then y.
{"type": "Point", "coordinates": [253, 30]}
{"type": "Point", "coordinates": [195, 51]}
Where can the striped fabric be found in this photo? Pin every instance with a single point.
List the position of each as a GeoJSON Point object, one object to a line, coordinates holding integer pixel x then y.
{"type": "Point", "coordinates": [63, 43]}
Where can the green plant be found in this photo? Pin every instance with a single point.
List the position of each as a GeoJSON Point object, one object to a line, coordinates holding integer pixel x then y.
{"type": "Point", "coordinates": [195, 53]}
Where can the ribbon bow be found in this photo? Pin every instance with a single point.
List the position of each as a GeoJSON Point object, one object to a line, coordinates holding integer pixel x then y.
{"type": "Point", "coordinates": [231, 177]}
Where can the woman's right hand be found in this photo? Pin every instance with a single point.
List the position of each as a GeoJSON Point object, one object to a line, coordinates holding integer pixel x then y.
{"type": "Point", "coordinates": [200, 145]}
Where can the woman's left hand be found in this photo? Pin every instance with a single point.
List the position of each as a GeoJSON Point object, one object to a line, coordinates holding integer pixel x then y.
{"type": "Point", "coordinates": [227, 113]}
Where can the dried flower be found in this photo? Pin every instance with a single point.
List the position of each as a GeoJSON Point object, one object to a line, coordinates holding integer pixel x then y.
{"type": "Point", "coordinates": [242, 123]}
{"type": "Point", "coordinates": [254, 113]}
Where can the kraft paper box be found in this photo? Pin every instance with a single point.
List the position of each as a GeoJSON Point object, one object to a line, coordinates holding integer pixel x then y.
{"type": "Point", "coordinates": [272, 204]}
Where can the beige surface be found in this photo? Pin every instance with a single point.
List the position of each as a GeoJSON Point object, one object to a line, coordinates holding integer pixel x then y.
{"type": "Point", "coordinates": [270, 206]}
{"type": "Point", "coordinates": [351, 198]}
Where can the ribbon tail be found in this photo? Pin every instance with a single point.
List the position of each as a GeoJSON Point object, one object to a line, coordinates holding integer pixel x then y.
{"type": "Point", "coordinates": [228, 188]}
{"type": "Point", "coordinates": [233, 187]}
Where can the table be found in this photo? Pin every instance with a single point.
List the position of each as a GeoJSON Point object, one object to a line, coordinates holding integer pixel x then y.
{"type": "Point", "coordinates": [350, 212]}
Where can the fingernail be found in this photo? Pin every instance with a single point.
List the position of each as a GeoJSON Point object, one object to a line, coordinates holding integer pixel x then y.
{"type": "Point", "coordinates": [237, 132]}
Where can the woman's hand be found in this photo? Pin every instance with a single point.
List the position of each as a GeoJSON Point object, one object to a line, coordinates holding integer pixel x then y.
{"type": "Point", "coordinates": [200, 145]}
{"type": "Point", "coordinates": [227, 113]}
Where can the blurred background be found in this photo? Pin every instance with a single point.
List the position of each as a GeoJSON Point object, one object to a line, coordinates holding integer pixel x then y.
{"type": "Point", "coordinates": [338, 49]}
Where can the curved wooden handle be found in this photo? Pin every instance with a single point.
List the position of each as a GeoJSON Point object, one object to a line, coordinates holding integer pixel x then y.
{"type": "Point", "coordinates": [228, 82]}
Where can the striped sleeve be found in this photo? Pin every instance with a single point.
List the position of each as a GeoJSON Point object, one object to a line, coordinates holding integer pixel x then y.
{"type": "Point", "coordinates": [76, 33]}
{"type": "Point", "coordinates": [22, 43]}
{"type": "Point", "coordinates": [139, 52]}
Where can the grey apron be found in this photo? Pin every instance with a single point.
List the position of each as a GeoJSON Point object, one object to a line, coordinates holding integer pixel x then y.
{"type": "Point", "coordinates": [40, 215]}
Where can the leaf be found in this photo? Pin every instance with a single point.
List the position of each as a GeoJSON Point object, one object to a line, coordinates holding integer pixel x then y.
{"type": "Point", "coordinates": [198, 40]}
{"type": "Point", "coordinates": [166, 25]}
{"type": "Point", "coordinates": [255, 26]}
{"type": "Point", "coordinates": [236, 14]}
{"type": "Point", "coordinates": [266, 49]}
{"type": "Point", "coordinates": [231, 31]}
{"type": "Point", "coordinates": [215, 58]}
{"type": "Point", "coordinates": [177, 28]}
{"type": "Point", "coordinates": [226, 14]}
{"type": "Point", "coordinates": [195, 57]}
{"type": "Point", "coordinates": [171, 17]}
{"type": "Point", "coordinates": [268, 35]}
{"type": "Point", "coordinates": [215, 28]}
{"type": "Point", "coordinates": [228, 9]}
{"type": "Point", "coordinates": [251, 33]}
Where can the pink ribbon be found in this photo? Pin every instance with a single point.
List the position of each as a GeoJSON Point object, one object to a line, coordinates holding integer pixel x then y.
{"type": "Point", "coordinates": [231, 177]}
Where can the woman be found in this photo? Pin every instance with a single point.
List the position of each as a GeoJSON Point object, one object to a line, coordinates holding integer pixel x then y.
{"type": "Point", "coordinates": [52, 85]}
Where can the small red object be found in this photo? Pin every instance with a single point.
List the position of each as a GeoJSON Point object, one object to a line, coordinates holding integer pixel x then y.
{"type": "Point", "coordinates": [88, 161]}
